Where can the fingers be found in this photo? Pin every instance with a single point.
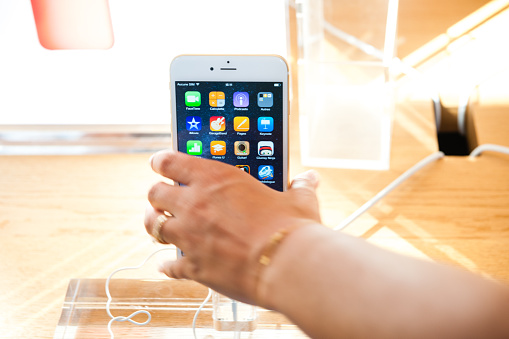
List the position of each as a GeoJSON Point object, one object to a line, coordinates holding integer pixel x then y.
{"type": "Point", "coordinates": [165, 197]}
{"type": "Point", "coordinates": [178, 166]}
{"type": "Point", "coordinates": [179, 269]}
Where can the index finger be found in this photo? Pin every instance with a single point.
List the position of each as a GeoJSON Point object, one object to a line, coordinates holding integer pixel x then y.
{"type": "Point", "coordinates": [177, 166]}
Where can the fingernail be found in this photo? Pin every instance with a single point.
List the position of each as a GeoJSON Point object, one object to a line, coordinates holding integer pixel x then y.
{"type": "Point", "coordinates": [307, 179]}
{"type": "Point", "coordinates": [313, 175]}
{"type": "Point", "coordinates": [310, 175]}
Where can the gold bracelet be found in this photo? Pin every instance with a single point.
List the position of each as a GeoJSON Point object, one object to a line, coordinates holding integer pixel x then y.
{"type": "Point", "coordinates": [268, 252]}
{"type": "Point", "coordinates": [270, 248]}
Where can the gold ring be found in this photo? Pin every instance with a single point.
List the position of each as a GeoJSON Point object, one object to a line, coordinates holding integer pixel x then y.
{"type": "Point", "coordinates": [156, 229]}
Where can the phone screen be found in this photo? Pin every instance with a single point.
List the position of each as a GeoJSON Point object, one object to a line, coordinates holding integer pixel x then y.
{"type": "Point", "coordinates": [240, 123]}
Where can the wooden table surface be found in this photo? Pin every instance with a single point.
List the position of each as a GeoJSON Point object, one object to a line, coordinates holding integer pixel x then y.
{"type": "Point", "coordinates": [66, 217]}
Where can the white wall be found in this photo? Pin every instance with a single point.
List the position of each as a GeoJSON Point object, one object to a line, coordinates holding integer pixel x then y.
{"type": "Point", "coordinates": [129, 83]}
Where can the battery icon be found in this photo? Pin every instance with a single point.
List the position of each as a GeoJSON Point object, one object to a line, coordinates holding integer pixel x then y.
{"type": "Point", "coordinates": [277, 85]}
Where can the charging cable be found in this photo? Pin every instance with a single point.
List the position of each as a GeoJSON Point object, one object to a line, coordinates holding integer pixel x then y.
{"type": "Point", "coordinates": [429, 159]}
{"type": "Point", "coordinates": [199, 310]}
{"type": "Point", "coordinates": [488, 147]}
{"type": "Point", "coordinates": [132, 315]}
{"type": "Point", "coordinates": [236, 334]}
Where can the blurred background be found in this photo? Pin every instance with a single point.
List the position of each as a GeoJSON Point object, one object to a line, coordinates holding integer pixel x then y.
{"type": "Point", "coordinates": [93, 74]}
{"type": "Point", "coordinates": [72, 72]}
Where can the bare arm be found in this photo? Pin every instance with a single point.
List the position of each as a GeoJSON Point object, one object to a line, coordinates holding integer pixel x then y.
{"type": "Point", "coordinates": [334, 285]}
{"type": "Point", "coordinates": [330, 284]}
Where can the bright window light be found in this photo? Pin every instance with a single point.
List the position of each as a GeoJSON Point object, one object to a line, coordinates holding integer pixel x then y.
{"type": "Point", "coordinates": [128, 83]}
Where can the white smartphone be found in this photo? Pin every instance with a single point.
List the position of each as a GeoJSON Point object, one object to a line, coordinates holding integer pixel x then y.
{"type": "Point", "coordinates": [233, 109]}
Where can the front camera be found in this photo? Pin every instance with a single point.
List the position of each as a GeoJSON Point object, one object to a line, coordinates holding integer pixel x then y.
{"type": "Point", "coordinates": [211, 68]}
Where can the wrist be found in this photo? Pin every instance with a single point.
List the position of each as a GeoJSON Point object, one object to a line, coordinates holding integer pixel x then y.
{"type": "Point", "coordinates": [278, 259]}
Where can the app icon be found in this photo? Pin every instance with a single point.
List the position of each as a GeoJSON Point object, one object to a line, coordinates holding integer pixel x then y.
{"type": "Point", "coordinates": [193, 98]}
{"type": "Point", "coordinates": [217, 123]}
{"type": "Point", "coordinates": [217, 147]}
{"type": "Point", "coordinates": [241, 147]}
{"type": "Point", "coordinates": [244, 168]}
{"type": "Point", "coordinates": [265, 124]}
{"type": "Point", "coordinates": [194, 147]}
{"type": "Point", "coordinates": [216, 99]}
{"type": "Point", "coordinates": [265, 172]}
{"type": "Point", "coordinates": [266, 148]}
{"type": "Point", "coordinates": [241, 124]}
{"type": "Point", "coordinates": [265, 99]}
{"type": "Point", "coordinates": [240, 99]}
{"type": "Point", "coordinates": [193, 123]}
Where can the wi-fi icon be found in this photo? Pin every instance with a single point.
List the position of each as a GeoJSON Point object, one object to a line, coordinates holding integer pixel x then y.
{"type": "Point", "coordinates": [197, 84]}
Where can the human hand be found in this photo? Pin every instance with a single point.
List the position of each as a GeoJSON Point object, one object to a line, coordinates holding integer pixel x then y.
{"type": "Point", "coordinates": [222, 219]}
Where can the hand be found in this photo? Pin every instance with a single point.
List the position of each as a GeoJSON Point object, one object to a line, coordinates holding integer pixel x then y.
{"type": "Point", "coordinates": [222, 219]}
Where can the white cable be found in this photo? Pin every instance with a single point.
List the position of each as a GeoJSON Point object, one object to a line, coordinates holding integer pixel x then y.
{"type": "Point", "coordinates": [149, 316]}
{"type": "Point", "coordinates": [488, 147]}
{"type": "Point", "coordinates": [236, 334]}
{"type": "Point", "coordinates": [199, 310]}
{"type": "Point", "coordinates": [108, 303]}
{"type": "Point", "coordinates": [433, 157]}
{"type": "Point", "coordinates": [429, 159]}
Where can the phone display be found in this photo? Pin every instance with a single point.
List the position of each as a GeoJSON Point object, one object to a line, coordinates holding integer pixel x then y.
{"type": "Point", "coordinates": [234, 114]}
{"type": "Point", "coordinates": [239, 123]}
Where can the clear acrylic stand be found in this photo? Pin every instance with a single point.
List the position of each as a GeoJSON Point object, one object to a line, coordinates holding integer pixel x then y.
{"type": "Point", "coordinates": [172, 304]}
{"type": "Point", "coordinates": [346, 95]}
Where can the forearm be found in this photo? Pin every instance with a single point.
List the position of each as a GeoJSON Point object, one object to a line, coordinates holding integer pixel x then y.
{"type": "Point", "coordinates": [343, 286]}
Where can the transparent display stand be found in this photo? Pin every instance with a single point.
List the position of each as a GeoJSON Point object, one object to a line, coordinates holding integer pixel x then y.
{"type": "Point", "coordinates": [172, 304]}
{"type": "Point", "coordinates": [346, 95]}
{"type": "Point", "coordinates": [230, 315]}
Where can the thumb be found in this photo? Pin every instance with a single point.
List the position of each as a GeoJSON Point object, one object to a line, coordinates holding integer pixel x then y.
{"type": "Point", "coordinates": [305, 181]}
{"type": "Point", "coordinates": [303, 189]}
